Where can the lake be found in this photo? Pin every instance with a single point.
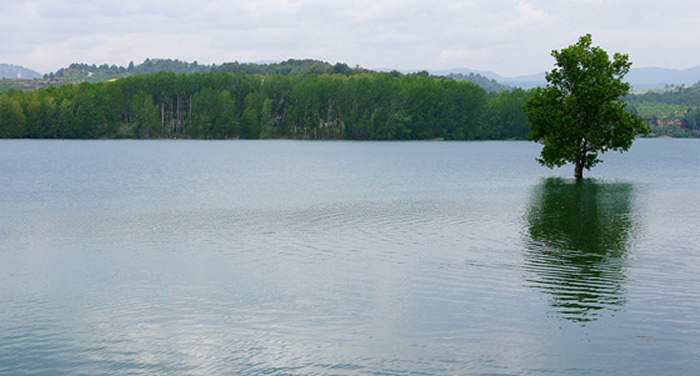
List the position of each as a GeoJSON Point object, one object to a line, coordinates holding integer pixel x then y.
{"type": "Point", "coordinates": [346, 258]}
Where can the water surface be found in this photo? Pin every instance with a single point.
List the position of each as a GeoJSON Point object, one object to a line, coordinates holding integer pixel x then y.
{"type": "Point", "coordinates": [342, 258]}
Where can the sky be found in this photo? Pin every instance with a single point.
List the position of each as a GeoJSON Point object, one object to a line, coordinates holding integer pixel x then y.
{"type": "Point", "coordinates": [509, 37]}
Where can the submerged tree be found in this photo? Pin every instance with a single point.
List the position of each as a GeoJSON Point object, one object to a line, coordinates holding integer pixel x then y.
{"type": "Point", "coordinates": [579, 113]}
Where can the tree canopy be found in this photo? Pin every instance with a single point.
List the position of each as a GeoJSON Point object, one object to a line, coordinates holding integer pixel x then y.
{"type": "Point", "coordinates": [365, 106]}
{"type": "Point", "coordinates": [580, 114]}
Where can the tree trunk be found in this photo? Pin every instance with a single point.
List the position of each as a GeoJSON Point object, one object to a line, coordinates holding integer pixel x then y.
{"type": "Point", "coordinates": [578, 171]}
{"type": "Point", "coordinates": [178, 125]}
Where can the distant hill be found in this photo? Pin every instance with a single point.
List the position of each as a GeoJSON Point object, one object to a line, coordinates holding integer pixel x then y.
{"type": "Point", "coordinates": [650, 78]}
{"type": "Point", "coordinates": [523, 82]}
{"type": "Point", "coordinates": [17, 72]}
{"type": "Point", "coordinates": [488, 84]}
{"type": "Point", "coordinates": [671, 112]}
{"type": "Point", "coordinates": [77, 72]}
{"type": "Point", "coordinates": [526, 82]}
{"type": "Point", "coordinates": [94, 73]}
{"type": "Point", "coordinates": [290, 67]}
{"type": "Point", "coordinates": [467, 71]}
{"type": "Point", "coordinates": [640, 78]}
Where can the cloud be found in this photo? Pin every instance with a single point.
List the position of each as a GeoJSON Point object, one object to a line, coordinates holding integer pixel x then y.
{"type": "Point", "coordinates": [507, 36]}
{"type": "Point", "coordinates": [529, 14]}
{"type": "Point", "coordinates": [455, 57]}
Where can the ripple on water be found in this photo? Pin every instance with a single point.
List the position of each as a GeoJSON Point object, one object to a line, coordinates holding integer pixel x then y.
{"type": "Point", "coordinates": [343, 258]}
{"type": "Point", "coordinates": [577, 238]}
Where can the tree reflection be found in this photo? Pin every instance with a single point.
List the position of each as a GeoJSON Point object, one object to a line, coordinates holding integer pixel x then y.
{"type": "Point", "coordinates": [578, 234]}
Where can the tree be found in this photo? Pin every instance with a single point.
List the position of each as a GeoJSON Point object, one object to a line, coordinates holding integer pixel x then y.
{"type": "Point", "coordinates": [145, 114]}
{"type": "Point", "coordinates": [579, 113]}
{"type": "Point", "coordinates": [12, 119]}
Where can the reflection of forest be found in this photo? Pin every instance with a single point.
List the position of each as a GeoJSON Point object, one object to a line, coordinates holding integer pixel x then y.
{"type": "Point", "coordinates": [577, 244]}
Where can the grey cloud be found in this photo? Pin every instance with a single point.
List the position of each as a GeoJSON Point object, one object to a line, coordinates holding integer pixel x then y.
{"type": "Point", "coordinates": [507, 36]}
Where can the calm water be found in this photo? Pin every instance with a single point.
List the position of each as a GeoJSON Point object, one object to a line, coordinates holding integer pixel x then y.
{"type": "Point", "coordinates": [346, 258]}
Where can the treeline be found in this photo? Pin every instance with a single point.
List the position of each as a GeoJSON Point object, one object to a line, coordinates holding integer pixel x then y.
{"type": "Point", "coordinates": [369, 106]}
{"type": "Point", "coordinates": [98, 73]}
{"type": "Point", "coordinates": [78, 72]}
{"type": "Point", "coordinates": [684, 95]}
{"type": "Point", "coordinates": [290, 67]}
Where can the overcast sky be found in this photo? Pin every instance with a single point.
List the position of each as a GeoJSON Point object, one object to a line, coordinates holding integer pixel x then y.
{"type": "Point", "coordinates": [509, 37]}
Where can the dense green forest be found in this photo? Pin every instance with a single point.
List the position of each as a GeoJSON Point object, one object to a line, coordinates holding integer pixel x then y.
{"type": "Point", "coordinates": [279, 100]}
{"type": "Point", "coordinates": [365, 106]}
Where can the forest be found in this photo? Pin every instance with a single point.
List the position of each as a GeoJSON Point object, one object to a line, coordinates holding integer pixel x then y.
{"type": "Point", "coordinates": [296, 98]}
{"type": "Point", "coordinates": [344, 104]}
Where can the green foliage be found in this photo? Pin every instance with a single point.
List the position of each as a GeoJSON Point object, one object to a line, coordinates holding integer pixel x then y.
{"type": "Point", "coordinates": [289, 67]}
{"type": "Point", "coordinates": [366, 106]}
{"type": "Point", "coordinates": [686, 96]}
{"type": "Point", "coordinates": [145, 114]}
{"type": "Point", "coordinates": [659, 110]}
{"type": "Point", "coordinates": [692, 119]}
{"type": "Point", "coordinates": [92, 73]}
{"type": "Point", "coordinates": [505, 116]}
{"type": "Point", "coordinates": [12, 119]}
{"type": "Point", "coordinates": [579, 114]}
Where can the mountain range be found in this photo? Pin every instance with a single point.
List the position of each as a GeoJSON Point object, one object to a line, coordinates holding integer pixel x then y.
{"type": "Point", "coordinates": [640, 78]}
{"type": "Point", "coordinates": [16, 71]}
